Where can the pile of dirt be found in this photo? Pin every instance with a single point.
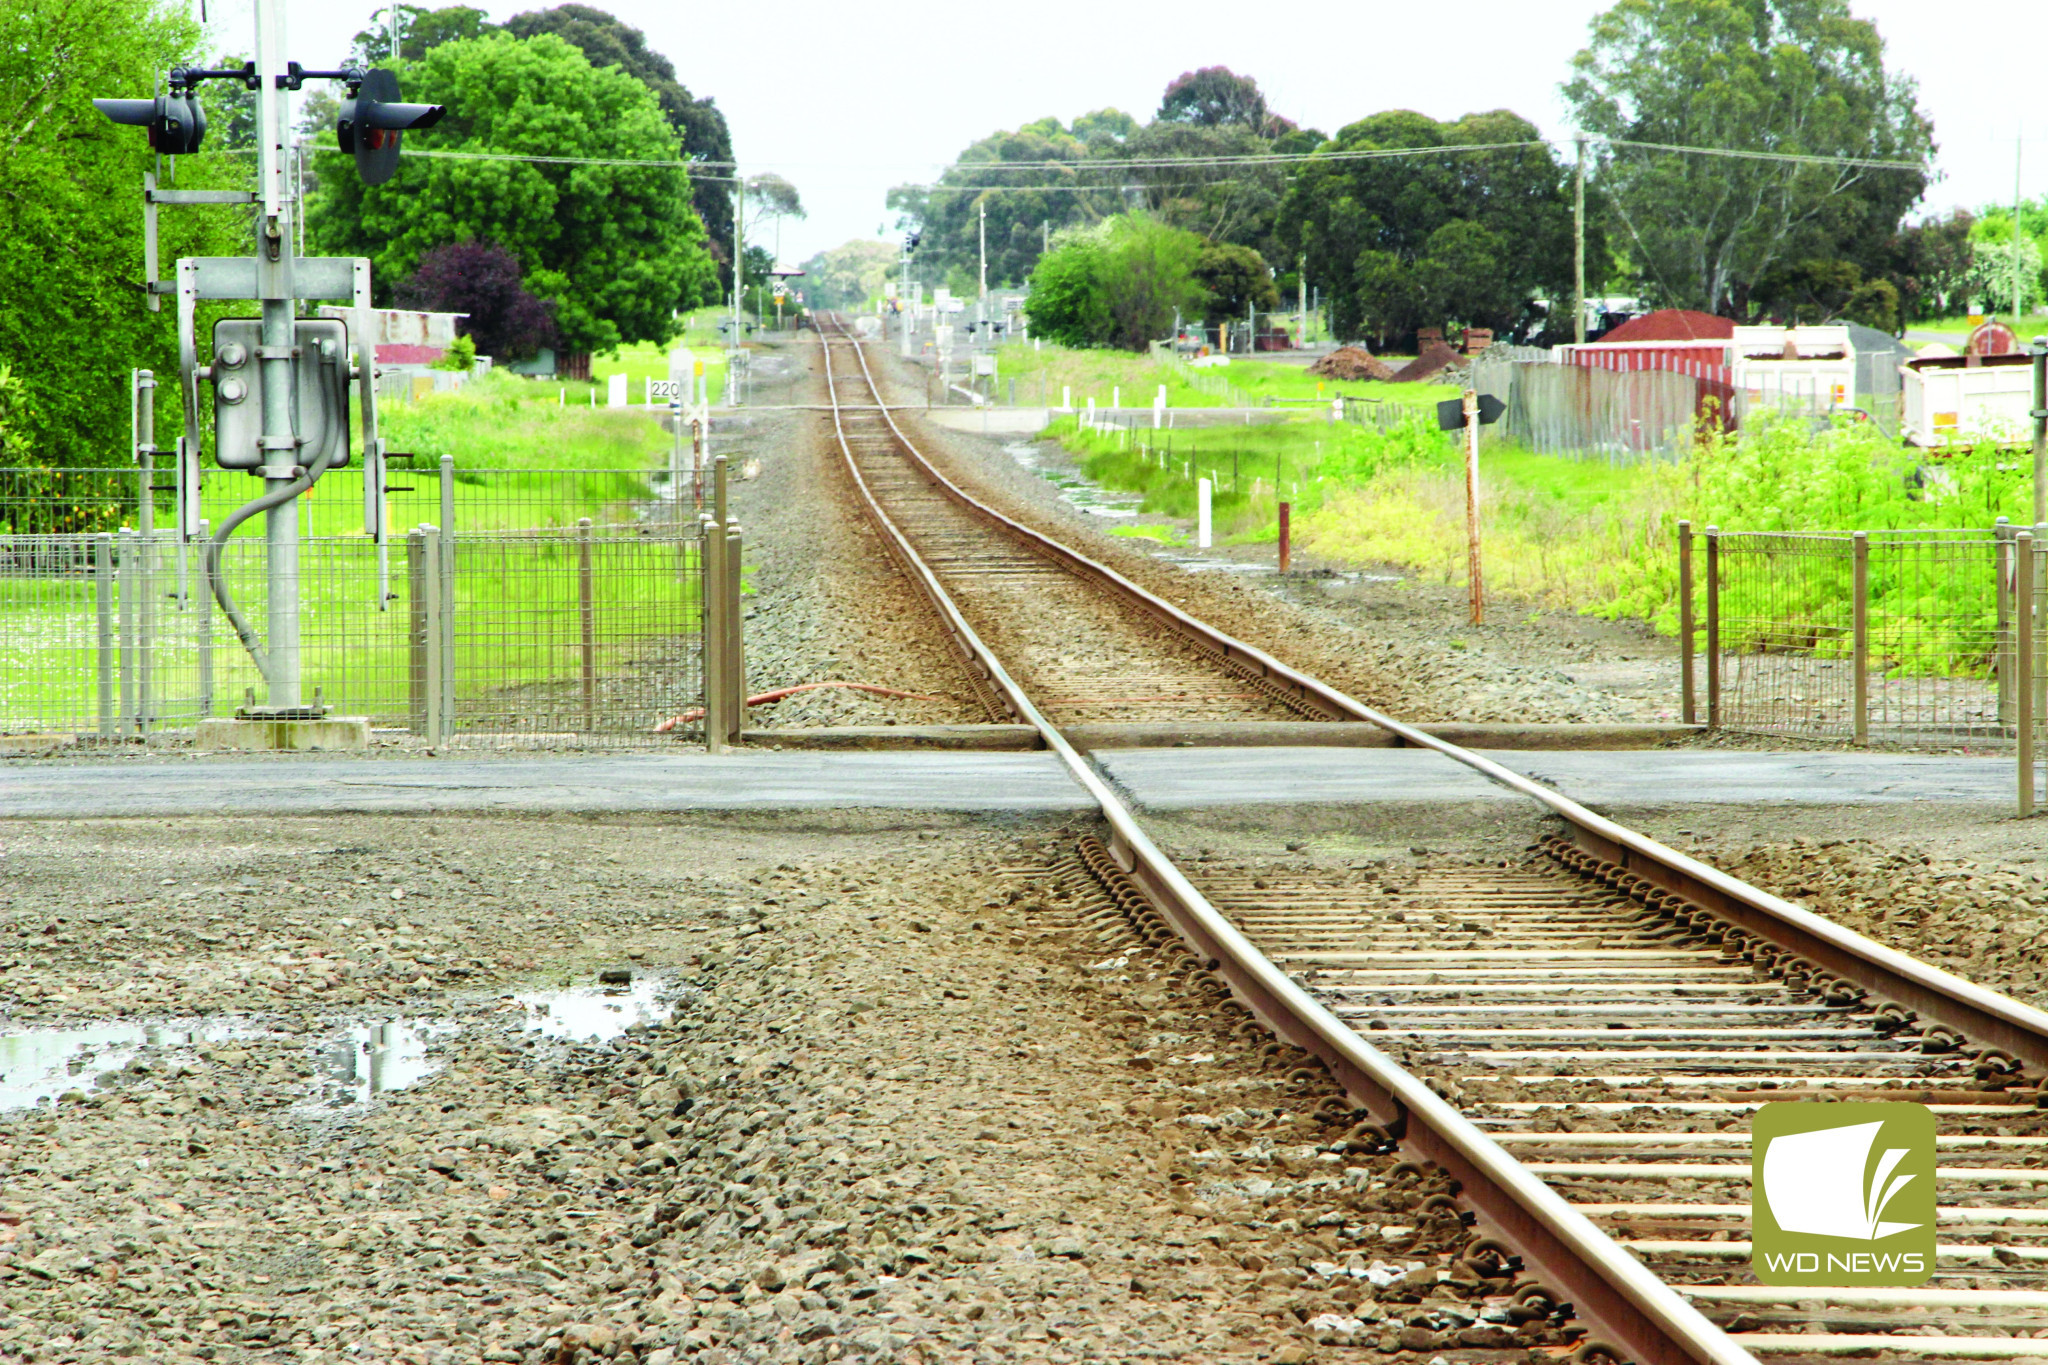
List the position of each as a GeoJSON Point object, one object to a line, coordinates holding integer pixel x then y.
{"type": "Point", "coordinates": [1674, 324]}
{"type": "Point", "coordinates": [1434, 360]}
{"type": "Point", "coordinates": [1351, 362]}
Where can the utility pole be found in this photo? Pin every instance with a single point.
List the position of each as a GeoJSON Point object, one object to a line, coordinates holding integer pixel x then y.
{"type": "Point", "coordinates": [739, 262]}
{"type": "Point", "coordinates": [1301, 295]}
{"type": "Point", "coordinates": [2018, 160]}
{"type": "Point", "coordinates": [984, 249]}
{"type": "Point", "coordinates": [280, 446]}
{"type": "Point", "coordinates": [1044, 236]}
{"type": "Point", "coordinates": [1579, 248]}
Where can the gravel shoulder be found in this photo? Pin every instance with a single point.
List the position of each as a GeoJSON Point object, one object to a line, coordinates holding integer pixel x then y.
{"type": "Point", "coordinates": [905, 1105]}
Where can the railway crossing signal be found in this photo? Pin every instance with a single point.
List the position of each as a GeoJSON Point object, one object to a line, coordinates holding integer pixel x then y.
{"type": "Point", "coordinates": [176, 123]}
{"type": "Point", "coordinates": [372, 121]}
{"type": "Point", "coordinates": [1450, 414]}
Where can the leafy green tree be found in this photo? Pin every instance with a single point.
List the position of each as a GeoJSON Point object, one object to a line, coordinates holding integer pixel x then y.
{"type": "Point", "coordinates": [1468, 236]}
{"type": "Point", "coordinates": [847, 276]}
{"type": "Point", "coordinates": [1232, 279]}
{"type": "Point", "coordinates": [1214, 97]}
{"type": "Point", "coordinates": [1928, 265]}
{"type": "Point", "coordinates": [1229, 202]}
{"type": "Point", "coordinates": [2001, 258]}
{"type": "Point", "coordinates": [608, 41]}
{"type": "Point", "coordinates": [1118, 284]}
{"type": "Point", "coordinates": [615, 250]}
{"type": "Point", "coordinates": [1803, 77]}
{"type": "Point", "coordinates": [73, 324]}
{"type": "Point", "coordinates": [1068, 303]}
{"type": "Point", "coordinates": [1057, 186]}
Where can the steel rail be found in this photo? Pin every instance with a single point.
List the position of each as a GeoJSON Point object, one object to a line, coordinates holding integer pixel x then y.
{"type": "Point", "coordinates": [1984, 1017]}
{"type": "Point", "coordinates": [1607, 1287]}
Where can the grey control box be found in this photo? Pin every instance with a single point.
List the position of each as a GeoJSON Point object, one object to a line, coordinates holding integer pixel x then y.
{"type": "Point", "coordinates": [320, 365]}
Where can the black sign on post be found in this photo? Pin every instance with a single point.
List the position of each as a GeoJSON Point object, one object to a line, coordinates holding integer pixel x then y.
{"type": "Point", "coordinates": [1450, 414]}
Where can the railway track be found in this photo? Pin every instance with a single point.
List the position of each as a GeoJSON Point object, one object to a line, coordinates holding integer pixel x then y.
{"type": "Point", "coordinates": [1573, 1042]}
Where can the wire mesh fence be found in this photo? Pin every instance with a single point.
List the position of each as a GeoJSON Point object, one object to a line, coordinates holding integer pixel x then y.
{"type": "Point", "coordinates": [589, 633]}
{"type": "Point", "coordinates": [1902, 637]}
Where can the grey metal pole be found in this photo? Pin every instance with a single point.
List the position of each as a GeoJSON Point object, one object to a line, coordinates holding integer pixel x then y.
{"type": "Point", "coordinates": [430, 547]}
{"type": "Point", "coordinates": [1688, 709]}
{"type": "Point", "coordinates": [416, 629]}
{"type": "Point", "coordinates": [2002, 568]}
{"type": "Point", "coordinates": [1859, 633]}
{"type": "Point", "coordinates": [586, 616]}
{"type": "Point", "coordinates": [103, 610]}
{"type": "Point", "coordinates": [145, 527]}
{"type": "Point", "coordinates": [447, 587]}
{"type": "Point", "coordinates": [1713, 627]}
{"type": "Point", "coordinates": [2040, 415]}
{"type": "Point", "coordinates": [280, 443]}
{"type": "Point", "coordinates": [2023, 663]}
{"type": "Point", "coordinates": [204, 626]}
{"type": "Point", "coordinates": [124, 576]}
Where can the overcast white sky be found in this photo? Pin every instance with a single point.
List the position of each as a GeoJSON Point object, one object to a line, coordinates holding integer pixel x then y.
{"type": "Point", "coordinates": [870, 95]}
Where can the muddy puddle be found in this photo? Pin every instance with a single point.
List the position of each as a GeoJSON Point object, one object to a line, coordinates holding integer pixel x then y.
{"type": "Point", "coordinates": [353, 1061]}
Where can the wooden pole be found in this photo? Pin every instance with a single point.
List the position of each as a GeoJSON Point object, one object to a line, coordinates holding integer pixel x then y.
{"type": "Point", "coordinates": [1471, 409]}
{"type": "Point", "coordinates": [1688, 697]}
{"type": "Point", "coordinates": [1285, 548]}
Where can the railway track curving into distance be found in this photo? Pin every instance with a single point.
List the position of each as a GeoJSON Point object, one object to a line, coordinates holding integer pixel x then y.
{"type": "Point", "coordinates": [1571, 1042]}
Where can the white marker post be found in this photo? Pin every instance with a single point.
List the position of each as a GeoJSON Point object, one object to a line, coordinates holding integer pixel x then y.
{"type": "Point", "coordinates": [615, 391]}
{"type": "Point", "coordinates": [1066, 398]}
{"type": "Point", "coordinates": [1202, 500]}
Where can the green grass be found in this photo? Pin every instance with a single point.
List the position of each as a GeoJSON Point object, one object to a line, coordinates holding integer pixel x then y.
{"type": "Point", "coordinates": [1041, 373]}
{"type": "Point", "coordinates": [1593, 537]}
{"type": "Point", "coordinates": [2033, 325]}
{"type": "Point", "coordinates": [1164, 533]}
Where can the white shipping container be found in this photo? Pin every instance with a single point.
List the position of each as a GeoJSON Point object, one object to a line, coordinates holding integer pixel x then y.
{"type": "Point", "coordinates": [1820, 379]}
{"type": "Point", "coordinates": [1951, 402]}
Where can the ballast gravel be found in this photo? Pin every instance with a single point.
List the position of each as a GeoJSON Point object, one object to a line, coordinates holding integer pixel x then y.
{"type": "Point", "coordinates": [898, 1095]}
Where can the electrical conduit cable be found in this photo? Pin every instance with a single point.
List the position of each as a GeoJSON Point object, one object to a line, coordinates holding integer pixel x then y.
{"type": "Point", "coordinates": [303, 478]}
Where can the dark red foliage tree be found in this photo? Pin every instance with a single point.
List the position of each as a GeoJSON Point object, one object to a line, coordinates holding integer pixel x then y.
{"type": "Point", "coordinates": [483, 280]}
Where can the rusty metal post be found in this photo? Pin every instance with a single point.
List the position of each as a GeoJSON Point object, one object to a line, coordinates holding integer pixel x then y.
{"type": "Point", "coordinates": [1713, 627]}
{"type": "Point", "coordinates": [2023, 663]}
{"type": "Point", "coordinates": [1688, 707]}
{"type": "Point", "coordinates": [1286, 537]}
{"type": "Point", "coordinates": [588, 620]}
{"type": "Point", "coordinates": [1859, 634]}
{"type": "Point", "coordinates": [697, 460]}
{"type": "Point", "coordinates": [1471, 412]}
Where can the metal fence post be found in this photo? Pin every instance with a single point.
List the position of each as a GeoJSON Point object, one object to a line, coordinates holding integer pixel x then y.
{"type": "Point", "coordinates": [2002, 563]}
{"type": "Point", "coordinates": [713, 633]}
{"type": "Point", "coordinates": [1859, 632]}
{"type": "Point", "coordinates": [2037, 667]}
{"type": "Point", "coordinates": [586, 609]}
{"type": "Point", "coordinates": [2023, 664]}
{"type": "Point", "coordinates": [203, 624]}
{"type": "Point", "coordinates": [1713, 627]}
{"type": "Point", "coordinates": [103, 607]}
{"type": "Point", "coordinates": [447, 567]}
{"type": "Point", "coordinates": [735, 649]}
{"type": "Point", "coordinates": [1688, 708]}
{"type": "Point", "coordinates": [430, 538]}
{"type": "Point", "coordinates": [124, 573]}
{"type": "Point", "coordinates": [417, 588]}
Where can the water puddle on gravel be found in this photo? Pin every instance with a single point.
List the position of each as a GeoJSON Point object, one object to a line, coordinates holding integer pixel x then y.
{"type": "Point", "coordinates": [39, 1064]}
{"type": "Point", "coordinates": [1049, 464]}
{"type": "Point", "coordinates": [369, 1059]}
{"type": "Point", "coordinates": [351, 1067]}
{"type": "Point", "coordinates": [596, 1014]}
